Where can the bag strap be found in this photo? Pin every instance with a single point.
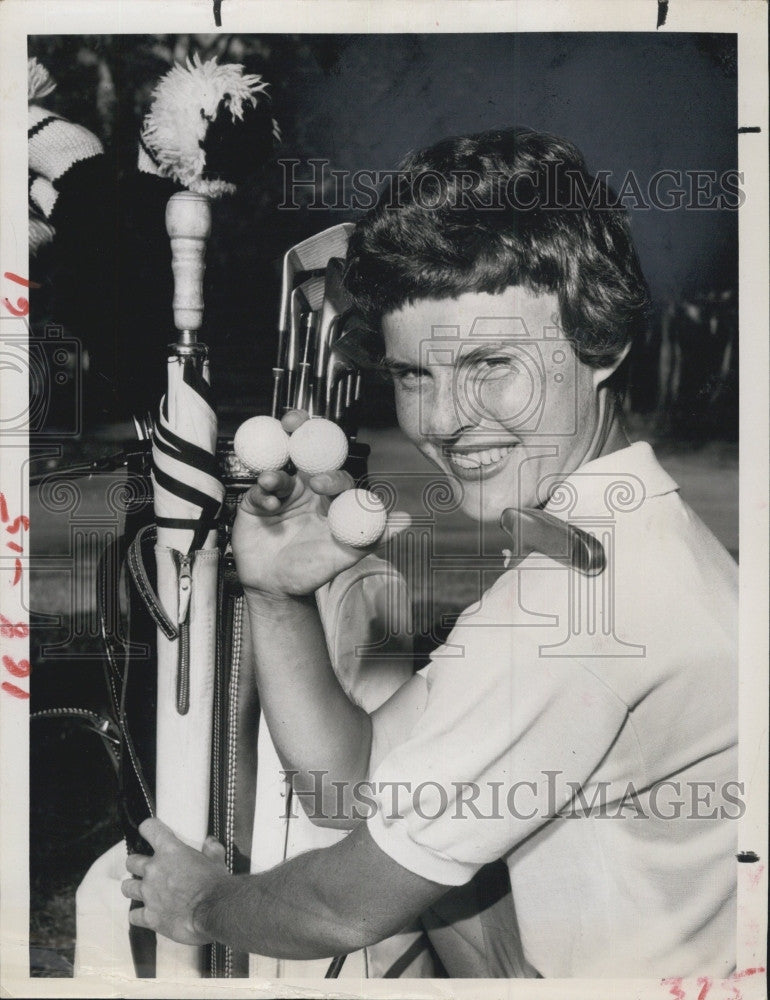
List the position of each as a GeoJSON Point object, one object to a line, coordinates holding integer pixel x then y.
{"type": "Point", "coordinates": [135, 561]}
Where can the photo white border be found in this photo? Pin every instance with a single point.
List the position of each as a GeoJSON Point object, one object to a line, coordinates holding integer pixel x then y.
{"type": "Point", "coordinates": [747, 18]}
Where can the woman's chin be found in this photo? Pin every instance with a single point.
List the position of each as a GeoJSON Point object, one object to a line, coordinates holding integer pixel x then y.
{"type": "Point", "coordinates": [483, 507]}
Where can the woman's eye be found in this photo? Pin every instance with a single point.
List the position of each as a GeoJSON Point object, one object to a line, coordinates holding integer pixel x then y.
{"type": "Point", "coordinates": [408, 379]}
{"type": "Point", "coordinates": [499, 366]}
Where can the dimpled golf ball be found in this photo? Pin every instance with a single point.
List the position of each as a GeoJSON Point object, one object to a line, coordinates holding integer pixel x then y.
{"type": "Point", "coordinates": [262, 444]}
{"type": "Point", "coordinates": [318, 446]}
{"type": "Point", "coordinates": [357, 517]}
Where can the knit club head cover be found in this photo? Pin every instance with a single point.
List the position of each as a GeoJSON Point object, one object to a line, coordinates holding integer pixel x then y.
{"type": "Point", "coordinates": [54, 147]}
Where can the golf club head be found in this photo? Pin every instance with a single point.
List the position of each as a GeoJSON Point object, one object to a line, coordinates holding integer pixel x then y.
{"type": "Point", "coordinates": [311, 254]}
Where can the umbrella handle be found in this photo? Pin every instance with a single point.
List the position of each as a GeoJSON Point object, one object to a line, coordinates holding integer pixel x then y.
{"type": "Point", "coordinates": [188, 223]}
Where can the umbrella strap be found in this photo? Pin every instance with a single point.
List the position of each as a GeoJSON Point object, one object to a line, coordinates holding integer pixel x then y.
{"type": "Point", "coordinates": [186, 524]}
{"type": "Point", "coordinates": [141, 579]}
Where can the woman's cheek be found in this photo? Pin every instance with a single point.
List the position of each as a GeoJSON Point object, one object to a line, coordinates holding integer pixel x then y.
{"type": "Point", "coordinates": [512, 403]}
{"type": "Point", "coordinates": [408, 414]}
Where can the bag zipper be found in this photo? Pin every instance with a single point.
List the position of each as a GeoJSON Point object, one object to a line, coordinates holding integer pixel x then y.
{"type": "Point", "coordinates": [184, 564]}
{"type": "Point", "coordinates": [232, 759]}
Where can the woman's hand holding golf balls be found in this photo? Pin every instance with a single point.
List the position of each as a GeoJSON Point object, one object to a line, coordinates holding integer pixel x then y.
{"type": "Point", "coordinates": [291, 535]}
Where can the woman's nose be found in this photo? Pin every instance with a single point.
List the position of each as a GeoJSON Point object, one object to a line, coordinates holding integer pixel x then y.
{"type": "Point", "coordinates": [443, 415]}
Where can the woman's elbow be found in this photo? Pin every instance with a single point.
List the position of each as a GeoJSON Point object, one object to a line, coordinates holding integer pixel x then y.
{"type": "Point", "coordinates": [330, 813]}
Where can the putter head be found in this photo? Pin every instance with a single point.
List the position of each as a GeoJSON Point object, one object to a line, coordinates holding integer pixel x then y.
{"type": "Point", "coordinates": [538, 531]}
{"type": "Point", "coordinates": [311, 254]}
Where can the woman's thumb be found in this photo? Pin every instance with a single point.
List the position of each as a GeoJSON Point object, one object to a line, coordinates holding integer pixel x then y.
{"type": "Point", "coordinates": [213, 850]}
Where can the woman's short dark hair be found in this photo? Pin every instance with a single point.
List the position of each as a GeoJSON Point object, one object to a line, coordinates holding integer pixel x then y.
{"type": "Point", "coordinates": [481, 213]}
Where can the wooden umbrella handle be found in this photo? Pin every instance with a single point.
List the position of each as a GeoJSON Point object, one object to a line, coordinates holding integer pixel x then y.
{"type": "Point", "coordinates": [188, 223]}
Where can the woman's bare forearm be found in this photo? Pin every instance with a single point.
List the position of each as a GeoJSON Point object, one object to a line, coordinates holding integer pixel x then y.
{"type": "Point", "coordinates": [314, 725]}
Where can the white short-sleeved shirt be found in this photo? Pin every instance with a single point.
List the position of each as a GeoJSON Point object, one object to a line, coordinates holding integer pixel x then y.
{"type": "Point", "coordinates": [612, 698]}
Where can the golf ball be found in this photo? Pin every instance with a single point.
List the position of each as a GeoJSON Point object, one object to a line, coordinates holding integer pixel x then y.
{"type": "Point", "coordinates": [262, 444]}
{"type": "Point", "coordinates": [357, 517]}
{"type": "Point", "coordinates": [318, 446]}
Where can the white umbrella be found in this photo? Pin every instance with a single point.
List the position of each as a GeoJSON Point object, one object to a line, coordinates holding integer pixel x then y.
{"type": "Point", "coordinates": [188, 498]}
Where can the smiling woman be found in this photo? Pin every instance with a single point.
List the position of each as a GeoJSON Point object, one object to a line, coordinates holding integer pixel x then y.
{"type": "Point", "coordinates": [490, 390]}
{"type": "Point", "coordinates": [501, 302]}
{"type": "Point", "coordinates": [503, 331]}
{"type": "Point", "coordinates": [503, 325]}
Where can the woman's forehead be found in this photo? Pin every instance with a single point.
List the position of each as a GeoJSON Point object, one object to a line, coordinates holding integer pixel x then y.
{"type": "Point", "coordinates": [514, 315]}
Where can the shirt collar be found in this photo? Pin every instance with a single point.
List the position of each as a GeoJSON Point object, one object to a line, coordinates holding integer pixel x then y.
{"type": "Point", "coordinates": [623, 479]}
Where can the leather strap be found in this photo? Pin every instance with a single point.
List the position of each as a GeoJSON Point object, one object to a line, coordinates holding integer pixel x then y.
{"type": "Point", "coordinates": [135, 560]}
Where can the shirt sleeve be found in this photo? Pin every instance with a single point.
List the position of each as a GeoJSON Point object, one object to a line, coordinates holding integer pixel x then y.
{"type": "Point", "coordinates": [506, 739]}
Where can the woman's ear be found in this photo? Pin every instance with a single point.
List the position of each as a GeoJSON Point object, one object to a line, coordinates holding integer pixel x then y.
{"type": "Point", "coordinates": [601, 375]}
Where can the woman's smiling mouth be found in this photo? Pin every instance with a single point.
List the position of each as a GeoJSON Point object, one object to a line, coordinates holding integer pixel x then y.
{"type": "Point", "coordinates": [479, 463]}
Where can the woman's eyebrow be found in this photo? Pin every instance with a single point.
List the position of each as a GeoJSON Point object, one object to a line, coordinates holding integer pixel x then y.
{"type": "Point", "coordinates": [461, 357]}
{"type": "Point", "coordinates": [485, 349]}
{"type": "Point", "coordinates": [394, 365]}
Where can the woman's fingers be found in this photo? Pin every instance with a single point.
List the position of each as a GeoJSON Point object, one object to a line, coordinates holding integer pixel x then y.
{"type": "Point", "coordinates": [257, 502]}
{"type": "Point", "coordinates": [329, 484]}
{"type": "Point", "coordinates": [268, 496]}
{"type": "Point", "coordinates": [214, 850]}
{"type": "Point", "coordinates": [279, 483]}
{"type": "Point", "coordinates": [132, 888]}
{"type": "Point", "coordinates": [293, 419]}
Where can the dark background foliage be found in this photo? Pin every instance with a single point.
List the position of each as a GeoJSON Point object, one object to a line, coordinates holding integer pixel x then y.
{"type": "Point", "coordinates": [641, 102]}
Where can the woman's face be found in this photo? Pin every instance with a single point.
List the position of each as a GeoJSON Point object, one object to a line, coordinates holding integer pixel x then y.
{"type": "Point", "coordinates": [491, 392]}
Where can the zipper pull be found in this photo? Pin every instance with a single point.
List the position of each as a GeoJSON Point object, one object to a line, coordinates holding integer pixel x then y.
{"type": "Point", "coordinates": [184, 564]}
{"type": "Point", "coordinates": [185, 586]}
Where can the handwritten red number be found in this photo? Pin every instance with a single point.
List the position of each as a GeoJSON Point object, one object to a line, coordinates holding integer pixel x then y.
{"type": "Point", "coordinates": [22, 305]}
{"type": "Point", "coordinates": [16, 668]}
{"type": "Point", "coordinates": [20, 281]}
{"type": "Point", "coordinates": [10, 631]}
{"type": "Point", "coordinates": [705, 985]}
{"type": "Point", "coordinates": [676, 987]}
{"type": "Point", "coordinates": [15, 691]}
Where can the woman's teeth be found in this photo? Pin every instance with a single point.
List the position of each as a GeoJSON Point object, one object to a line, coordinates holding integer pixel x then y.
{"type": "Point", "coordinates": [476, 459]}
